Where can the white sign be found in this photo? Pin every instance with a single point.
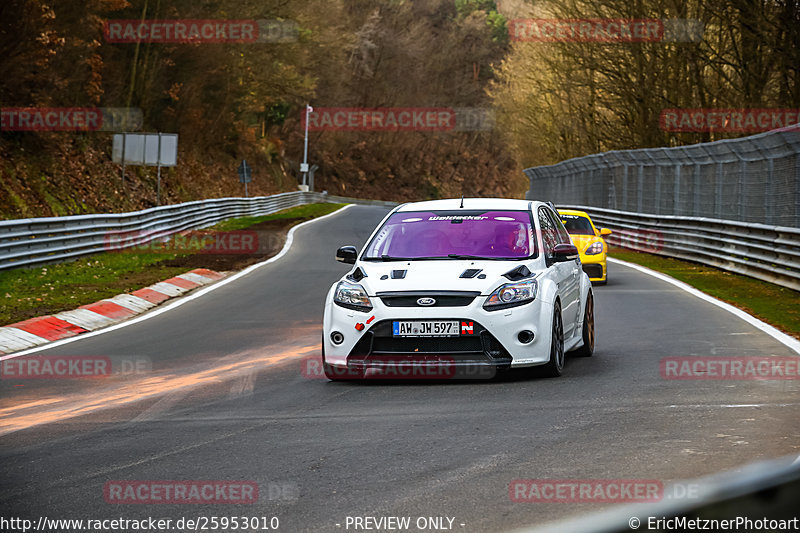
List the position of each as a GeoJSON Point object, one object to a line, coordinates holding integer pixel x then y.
{"type": "Point", "coordinates": [149, 149]}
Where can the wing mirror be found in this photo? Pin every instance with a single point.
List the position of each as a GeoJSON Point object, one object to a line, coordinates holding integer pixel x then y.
{"type": "Point", "coordinates": [347, 254]}
{"type": "Point", "coordinates": [564, 252]}
{"type": "Point", "coordinates": [605, 231]}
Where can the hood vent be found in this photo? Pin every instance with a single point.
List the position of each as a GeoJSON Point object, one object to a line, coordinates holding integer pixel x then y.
{"type": "Point", "coordinates": [521, 272]}
{"type": "Point", "coordinates": [470, 273]}
{"type": "Point", "coordinates": [399, 274]}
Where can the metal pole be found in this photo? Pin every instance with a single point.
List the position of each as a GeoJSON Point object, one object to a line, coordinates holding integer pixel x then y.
{"type": "Point", "coordinates": [124, 140]}
{"type": "Point", "coordinates": [158, 158]}
{"type": "Point", "coordinates": [245, 185]}
{"type": "Point", "coordinates": [305, 147]}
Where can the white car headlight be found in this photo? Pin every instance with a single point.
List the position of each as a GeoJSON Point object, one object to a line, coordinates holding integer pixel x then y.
{"type": "Point", "coordinates": [511, 295]}
{"type": "Point", "coordinates": [352, 296]}
{"type": "Point", "coordinates": [595, 248]}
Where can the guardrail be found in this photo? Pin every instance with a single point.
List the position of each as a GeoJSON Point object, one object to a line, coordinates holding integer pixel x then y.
{"type": "Point", "coordinates": [768, 253]}
{"type": "Point", "coordinates": [35, 241]}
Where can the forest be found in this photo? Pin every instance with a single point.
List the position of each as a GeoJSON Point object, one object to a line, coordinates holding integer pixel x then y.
{"type": "Point", "coordinates": [538, 101]}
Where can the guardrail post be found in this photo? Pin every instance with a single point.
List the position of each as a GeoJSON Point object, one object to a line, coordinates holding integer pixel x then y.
{"type": "Point", "coordinates": [640, 191]}
{"type": "Point", "coordinates": [698, 175]}
{"type": "Point", "coordinates": [658, 190]}
{"type": "Point", "coordinates": [797, 190]}
{"type": "Point", "coordinates": [769, 198]}
{"type": "Point", "coordinates": [625, 187]}
{"type": "Point", "coordinates": [718, 196]}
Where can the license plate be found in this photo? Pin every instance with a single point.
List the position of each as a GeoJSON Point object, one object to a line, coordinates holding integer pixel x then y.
{"type": "Point", "coordinates": [427, 328]}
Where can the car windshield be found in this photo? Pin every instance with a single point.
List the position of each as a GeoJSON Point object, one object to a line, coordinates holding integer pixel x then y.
{"type": "Point", "coordinates": [577, 225]}
{"type": "Point", "coordinates": [462, 234]}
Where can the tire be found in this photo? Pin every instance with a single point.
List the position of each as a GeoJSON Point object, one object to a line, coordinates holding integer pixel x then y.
{"type": "Point", "coordinates": [588, 329]}
{"type": "Point", "coordinates": [555, 366]}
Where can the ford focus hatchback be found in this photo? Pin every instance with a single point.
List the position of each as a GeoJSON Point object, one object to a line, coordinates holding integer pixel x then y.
{"type": "Point", "coordinates": [459, 289]}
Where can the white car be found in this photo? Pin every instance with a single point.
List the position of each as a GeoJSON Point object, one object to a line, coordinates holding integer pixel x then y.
{"type": "Point", "coordinates": [459, 288]}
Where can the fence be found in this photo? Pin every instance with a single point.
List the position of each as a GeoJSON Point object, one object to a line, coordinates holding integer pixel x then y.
{"type": "Point", "coordinates": [768, 253]}
{"type": "Point", "coordinates": [33, 241]}
{"type": "Point", "coordinates": [752, 179]}
{"type": "Point", "coordinates": [732, 204]}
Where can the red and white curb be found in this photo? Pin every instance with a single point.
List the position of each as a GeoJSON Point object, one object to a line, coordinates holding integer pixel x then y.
{"type": "Point", "coordinates": [44, 329]}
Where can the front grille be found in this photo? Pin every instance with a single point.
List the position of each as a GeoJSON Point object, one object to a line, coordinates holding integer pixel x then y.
{"type": "Point", "coordinates": [443, 299]}
{"type": "Point", "coordinates": [593, 270]}
{"type": "Point", "coordinates": [481, 347]}
{"type": "Point", "coordinates": [466, 344]}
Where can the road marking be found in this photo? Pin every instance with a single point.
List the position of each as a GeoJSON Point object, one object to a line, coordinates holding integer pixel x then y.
{"type": "Point", "coordinates": [243, 386]}
{"type": "Point", "coordinates": [181, 301]}
{"type": "Point", "coordinates": [772, 331]}
{"type": "Point", "coordinates": [161, 406]}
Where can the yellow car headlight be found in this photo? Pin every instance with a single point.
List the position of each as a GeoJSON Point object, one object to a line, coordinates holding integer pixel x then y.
{"type": "Point", "coordinates": [594, 248]}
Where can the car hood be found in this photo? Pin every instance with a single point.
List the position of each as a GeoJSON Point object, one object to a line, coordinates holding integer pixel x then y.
{"type": "Point", "coordinates": [435, 275]}
{"type": "Point", "coordinates": [583, 241]}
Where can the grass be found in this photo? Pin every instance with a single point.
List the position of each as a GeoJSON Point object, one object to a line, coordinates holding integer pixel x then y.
{"type": "Point", "coordinates": [771, 303]}
{"type": "Point", "coordinates": [31, 292]}
{"type": "Point", "coordinates": [307, 211]}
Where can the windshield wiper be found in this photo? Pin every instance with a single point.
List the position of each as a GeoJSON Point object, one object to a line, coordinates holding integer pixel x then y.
{"type": "Point", "coordinates": [467, 256]}
{"type": "Point", "coordinates": [385, 257]}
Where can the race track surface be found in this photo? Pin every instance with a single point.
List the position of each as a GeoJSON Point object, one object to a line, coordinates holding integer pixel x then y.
{"type": "Point", "coordinates": [222, 395]}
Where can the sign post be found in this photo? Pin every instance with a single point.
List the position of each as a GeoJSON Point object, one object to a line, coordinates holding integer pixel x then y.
{"type": "Point", "coordinates": [145, 149]}
{"type": "Point", "coordinates": [304, 165]}
{"type": "Point", "coordinates": [245, 175]}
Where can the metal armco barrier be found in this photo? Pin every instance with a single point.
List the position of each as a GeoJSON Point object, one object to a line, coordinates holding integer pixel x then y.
{"type": "Point", "coordinates": [34, 241]}
{"type": "Point", "coordinates": [751, 179]}
{"type": "Point", "coordinates": [768, 253]}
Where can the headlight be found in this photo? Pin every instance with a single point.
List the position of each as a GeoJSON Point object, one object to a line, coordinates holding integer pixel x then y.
{"type": "Point", "coordinates": [595, 248]}
{"type": "Point", "coordinates": [351, 296]}
{"type": "Point", "coordinates": [511, 295]}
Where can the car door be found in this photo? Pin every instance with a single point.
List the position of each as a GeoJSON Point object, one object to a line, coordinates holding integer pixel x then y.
{"type": "Point", "coordinates": [561, 273]}
{"type": "Point", "coordinates": [573, 268]}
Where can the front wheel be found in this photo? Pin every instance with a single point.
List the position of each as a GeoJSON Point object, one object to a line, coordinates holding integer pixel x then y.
{"type": "Point", "coordinates": [588, 329]}
{"type": "Point", "coordinates": [555, 366]}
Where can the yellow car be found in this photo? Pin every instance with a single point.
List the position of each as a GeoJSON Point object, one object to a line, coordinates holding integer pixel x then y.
{"type": "Point", "coordinates": [590, 243]}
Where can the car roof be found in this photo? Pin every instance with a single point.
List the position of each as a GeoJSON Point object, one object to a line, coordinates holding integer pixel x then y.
{"type": "Point", "coordinates": [574, 212]}
{"type": "Point", "coordinates": [453, 204]}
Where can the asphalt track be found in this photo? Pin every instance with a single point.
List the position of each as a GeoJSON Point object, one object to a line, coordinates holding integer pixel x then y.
{"type": "Point", "coordinates": [223, 397]}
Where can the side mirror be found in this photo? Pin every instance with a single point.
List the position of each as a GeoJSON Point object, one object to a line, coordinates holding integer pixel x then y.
{"type": "Point", "coordinates": [347, 254]}
{"type": "Point", "coordinates": [564, 252]}
{"type": "Point", "coordinates": [605, 231]}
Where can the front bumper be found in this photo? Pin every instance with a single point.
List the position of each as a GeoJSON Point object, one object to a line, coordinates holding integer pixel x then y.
{"type": "Point", "coordinates": [368, 341]}
{"type": "Point", "coordinates": [594, 266]}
